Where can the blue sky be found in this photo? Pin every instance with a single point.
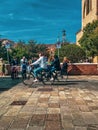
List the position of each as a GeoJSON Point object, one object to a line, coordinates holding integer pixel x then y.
{"type": "Point", "coordinates": [40, 20]}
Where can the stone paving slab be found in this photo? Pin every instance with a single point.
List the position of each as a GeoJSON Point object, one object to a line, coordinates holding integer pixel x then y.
{"type": "Point", "coordinates": [72, 105]}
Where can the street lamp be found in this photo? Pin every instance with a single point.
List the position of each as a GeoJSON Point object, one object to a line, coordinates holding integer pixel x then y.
{"type": "Point", "coordinates": [7, 46]}
{"type": "Point", "coordinates": [58, 44]}
{"type": "Point", "coordinates": [63, 35]}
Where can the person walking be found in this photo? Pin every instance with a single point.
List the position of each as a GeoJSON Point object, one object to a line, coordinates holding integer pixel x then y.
{"type": "Point", "coordinates": [14, 68]}
{"type": "Point", "coordinates": [64, 67]}
{"type": "Point", "coordinates": [2, 67]}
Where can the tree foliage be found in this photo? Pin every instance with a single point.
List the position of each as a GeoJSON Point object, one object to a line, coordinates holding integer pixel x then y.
{"type": "Point", "coordinates": [3, 51]}
{"type": "Point", "coordinates": [89, 40]}
{"type": "Point", "coordinates": [19, 51]}
{"type": "Point", "coordinates": [29, 50]}
{"type": "Point", "coordinates": [73, 52]}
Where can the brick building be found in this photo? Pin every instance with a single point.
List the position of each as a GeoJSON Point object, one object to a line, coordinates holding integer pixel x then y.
{"type": "Point", "coordinates": [89, 13]}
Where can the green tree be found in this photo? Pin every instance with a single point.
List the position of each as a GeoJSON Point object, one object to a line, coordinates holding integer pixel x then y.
{"type": "Point", "coordinates": [19, 50]}
{"type": "Point", "coordinates": [73, 52]}
{"type": "Point", "coordinates": [29, 50]}
{"type": "Point", "coordinates": [89, 40]}
{"type": "Point", "coordinates": [34, 48]}
{"type": "Point", "coordinates": [3, 51]}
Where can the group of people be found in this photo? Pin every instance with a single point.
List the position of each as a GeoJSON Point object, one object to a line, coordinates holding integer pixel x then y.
{"type": "Point", "coordinates": [42, 63]}
{"type": "Point", "coordinates": [14, 68]}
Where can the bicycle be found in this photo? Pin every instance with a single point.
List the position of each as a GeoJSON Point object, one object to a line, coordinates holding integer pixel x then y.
{"type": "Point", "coordinates": [28, 77]}
{"type": "Point", "coordinates": [44, 77]}
{"type": "Point", "coordinates": [59, 77]}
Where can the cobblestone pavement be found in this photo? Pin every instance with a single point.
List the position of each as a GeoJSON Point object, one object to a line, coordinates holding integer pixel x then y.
{"type": "Point", "coordinates": [72, 105]}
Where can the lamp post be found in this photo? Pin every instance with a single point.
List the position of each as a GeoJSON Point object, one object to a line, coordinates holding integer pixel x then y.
{"type": "Point", "coordinates": [7, 46]}
{"type": "Point", "coordinates": [63, 35]}
{"type": "Point", "coordinates": [58, 45]}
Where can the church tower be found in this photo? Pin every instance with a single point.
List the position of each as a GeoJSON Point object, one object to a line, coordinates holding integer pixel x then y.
{"type": "Point", "coordinates": [89, 13]}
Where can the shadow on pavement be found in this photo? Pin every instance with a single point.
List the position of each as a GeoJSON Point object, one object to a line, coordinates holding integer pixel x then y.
{"type": "Point", "coordinates": [58, 83]}
{"type": "Point", "coordinates": [71, 82]}
{"type": "Point", "coordinates": [6, 83]}
{"type": "Point", "coordinates": [64, 83]}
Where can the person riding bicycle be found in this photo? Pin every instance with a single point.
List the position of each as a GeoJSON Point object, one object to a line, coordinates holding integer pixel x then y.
{"type": "Point", "coordinates": [55, 65]}
{"type": "Point", "coordinates": [42, 65]}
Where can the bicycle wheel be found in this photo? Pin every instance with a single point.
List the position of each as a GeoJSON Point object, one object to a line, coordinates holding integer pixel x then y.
{"type": "Point", "coordinates": [54, 77]}
{"type": "Point", "coordinates": [40, 77]}
{"type": "Point", "coordinates": [46, 78]}
{"type": "Point", "coordinates": [28, 78]}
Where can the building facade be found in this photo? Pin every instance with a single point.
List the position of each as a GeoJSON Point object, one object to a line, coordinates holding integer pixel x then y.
{"type": "Point", "coordinates": [89, 13]}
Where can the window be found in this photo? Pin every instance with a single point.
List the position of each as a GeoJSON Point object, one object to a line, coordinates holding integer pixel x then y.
{"type": "Point", "coordinates": [84, 9]}
{"type": "Point", "coordinates": [88, 6]}
{"type": "Point", "coordinates": [97, 7]}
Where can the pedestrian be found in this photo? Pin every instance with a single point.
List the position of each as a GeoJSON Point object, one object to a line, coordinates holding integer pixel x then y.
{"type": "Point", "coordinates": [14, 68]}
{"type": "Point", "coordinates": [2, 67]}
{"type": "Point", "coordinates": [64, 67]}
{"type": "Point", "coordinates": [22, 62]}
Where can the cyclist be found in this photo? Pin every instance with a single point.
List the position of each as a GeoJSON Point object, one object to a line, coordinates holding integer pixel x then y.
{"type": "Point", "coordinates": [41, 61]}
{"type": "Point", "coordinates": [55, 65]}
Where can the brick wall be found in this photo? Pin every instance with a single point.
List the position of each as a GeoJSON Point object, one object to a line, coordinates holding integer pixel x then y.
{"type": "Point", "coordinates": [83, 69]}
{"type": "Point", "coordinates": [75, 69]}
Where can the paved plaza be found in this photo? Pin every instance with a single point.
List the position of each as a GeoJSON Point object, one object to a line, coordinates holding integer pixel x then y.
{"type": "Point", "coordinates": [70, 105]}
